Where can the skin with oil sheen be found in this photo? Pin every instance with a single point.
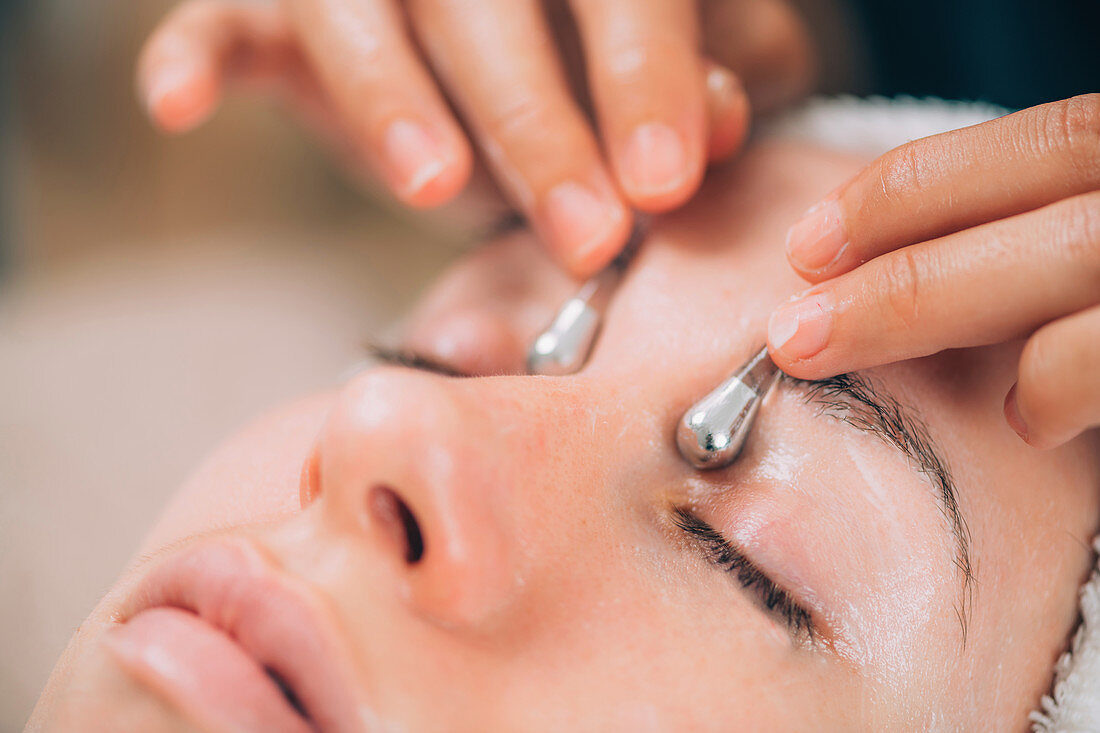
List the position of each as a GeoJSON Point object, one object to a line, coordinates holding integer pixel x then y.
{"type": "Point", "coordinates": [554, 572]}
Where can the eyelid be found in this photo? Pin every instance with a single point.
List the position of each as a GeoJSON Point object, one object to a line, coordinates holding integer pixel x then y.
{"type": "Point", "coordinates": [777, 601]}
{"type": "Point", "coordinates": [413, 360]}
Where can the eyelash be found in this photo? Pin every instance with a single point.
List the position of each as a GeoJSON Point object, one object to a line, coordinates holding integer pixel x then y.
{"type": "Point", "coordinates": [412, 360]}
{"type": "Point", "coordinates": [722, 553]}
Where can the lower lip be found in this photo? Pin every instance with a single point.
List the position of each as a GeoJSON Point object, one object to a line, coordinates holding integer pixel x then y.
{"type": "Point", "coordinates": [202, 672]}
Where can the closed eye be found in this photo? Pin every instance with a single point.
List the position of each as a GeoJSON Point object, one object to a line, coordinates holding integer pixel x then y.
{"type": "Point", "coordinates": [412, 360]}
{"type": "Point", "coordinates": [721, 552]}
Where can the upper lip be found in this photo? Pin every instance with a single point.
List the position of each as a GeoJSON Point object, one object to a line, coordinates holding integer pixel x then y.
{"type": "Point", "coordinates": [282, 624]}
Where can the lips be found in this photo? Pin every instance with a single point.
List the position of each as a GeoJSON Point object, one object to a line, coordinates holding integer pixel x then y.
{"type": "Point", "coordinates": [221, 634]}
{"type": "Point", "coordinates": [200, 670]}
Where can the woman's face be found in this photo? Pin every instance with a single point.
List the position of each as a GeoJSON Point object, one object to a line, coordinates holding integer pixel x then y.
{"type": "Point", "coordinates": [528, 553]}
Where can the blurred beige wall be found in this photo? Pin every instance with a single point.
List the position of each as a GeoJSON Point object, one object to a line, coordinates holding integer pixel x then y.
{"type": "Point", "coordinates": [96, 175]}
{"type": "Point", "coordinates": [164, 291]}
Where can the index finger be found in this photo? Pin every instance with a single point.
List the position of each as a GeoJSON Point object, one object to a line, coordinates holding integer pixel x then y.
{"type": "Point", "coordinates": [992, 283]}
{"type": "Point", "coordinates": [945, 183]}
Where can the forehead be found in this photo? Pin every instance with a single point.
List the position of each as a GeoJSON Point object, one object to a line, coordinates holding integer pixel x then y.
{"type": "Point", "coordinates": [696, 300]}
{"type": "Point", "coordinates": [707, 277]}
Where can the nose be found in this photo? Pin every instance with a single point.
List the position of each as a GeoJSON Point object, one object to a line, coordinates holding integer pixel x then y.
{"type": "Point", "coordinates": [402, 463]}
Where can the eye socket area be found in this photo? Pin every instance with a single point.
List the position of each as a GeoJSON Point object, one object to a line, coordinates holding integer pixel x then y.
{"type": "Point", "coordinates": [468, 342]}
{"type": "Point", "coordinates": [774, 600]}
{"type": "Point", "coordinates": [481, 316]}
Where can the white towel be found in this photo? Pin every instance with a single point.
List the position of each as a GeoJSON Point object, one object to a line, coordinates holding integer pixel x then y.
{"type": "Point", "coordinates": [1074, 706]}
{"type": "Point", "coordinates": [872, 125]}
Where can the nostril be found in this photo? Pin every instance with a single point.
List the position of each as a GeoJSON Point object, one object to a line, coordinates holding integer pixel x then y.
{"type": "Point", "coordinates": [394, 516]}
{"type": "Point", "coordinates": [309, 485]}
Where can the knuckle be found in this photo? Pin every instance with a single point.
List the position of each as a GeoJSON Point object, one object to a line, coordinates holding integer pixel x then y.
{"type": "Point", "coordinates": [634, 60]}
{"type": "Point", "coordinates": [517, 119]}
{"type": "Point", "coordinates": [901, 281]}
{"type": "Point", "coordinates": [625, 63]}
{"type": "Point", "coordinates": [376, 79]}
{"type": "Point", "coordinates": [1073, 126]}
{"type": "Point", "coordinates": [901, 174]}
{"type": "Point", "coordinates": [1080, 121]}
{"type": "Point", "coordinates": [374, 62]}
{"type": "Point", "coordinates": [1079, 230]}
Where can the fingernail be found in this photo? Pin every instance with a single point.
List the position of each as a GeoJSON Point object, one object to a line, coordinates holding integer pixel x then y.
{"type": "Point", "coordinates": [800, 329]}
{"type": "Point", "coordinates": [578, 220]}
{"type": "Point", "coordinates": [414, 156]}
{"type": "Point", "coordinates": [655, 160]}
{"type": "Point", "coordinates": [819, 238]}
{"type": "Point", "coordinates": [1012, 414]}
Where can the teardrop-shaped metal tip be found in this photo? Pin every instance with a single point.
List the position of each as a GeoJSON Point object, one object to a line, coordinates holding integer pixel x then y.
{"type": "Point", "coordinates": [713, 431]}
{"type": "Point", "coordinates": [563, 348]}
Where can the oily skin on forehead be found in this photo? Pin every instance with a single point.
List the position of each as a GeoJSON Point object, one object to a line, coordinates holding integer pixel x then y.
{"type": "Point", "coordinates": [692, 307]}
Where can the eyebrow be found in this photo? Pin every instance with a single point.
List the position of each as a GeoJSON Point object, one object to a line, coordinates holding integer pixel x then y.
{"type": "Point", "coordinates": [858, 401]}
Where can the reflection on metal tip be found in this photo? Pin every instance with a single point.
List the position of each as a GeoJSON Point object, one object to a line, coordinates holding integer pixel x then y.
{"type": "Point", "coordinates": [564, 347]}
{"type": "Point", "coordinates": [713, 431]}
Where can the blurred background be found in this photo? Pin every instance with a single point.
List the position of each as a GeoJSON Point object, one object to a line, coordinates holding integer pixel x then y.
{"type": "Point", "coordinates": [156, 293]}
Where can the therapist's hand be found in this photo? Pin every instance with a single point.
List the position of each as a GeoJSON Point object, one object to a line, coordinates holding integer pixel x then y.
{"type": "Point", "coordinates": [378, 77]}
{"type": "Point", "coordinates": [973, 237]}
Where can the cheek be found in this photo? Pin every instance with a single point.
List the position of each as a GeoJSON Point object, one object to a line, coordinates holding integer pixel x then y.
{"type": "Point", "coordinates": [97, 688]}
{"type": "Point", "coordinates": [255, 476]}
